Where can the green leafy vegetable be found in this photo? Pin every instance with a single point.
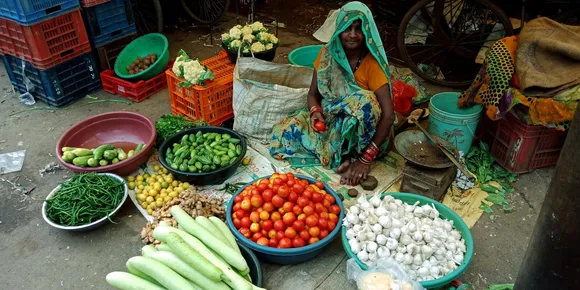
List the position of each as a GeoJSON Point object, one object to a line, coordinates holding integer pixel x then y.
{"type": "Point", "coordinates": [169, 125]}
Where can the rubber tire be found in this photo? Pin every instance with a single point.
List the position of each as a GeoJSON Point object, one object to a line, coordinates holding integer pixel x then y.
{"type": "Point", "coordinates": [196, 18]}
{"type": "Point", "coordinates": [405, 56]}
{"type": "Point", "coordinates": [158, 11]}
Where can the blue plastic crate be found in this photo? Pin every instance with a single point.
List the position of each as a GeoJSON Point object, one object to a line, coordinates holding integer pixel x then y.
{"type": "Point", "coordinates": [29, 12]}
{"type": "Point", "coordinates": [109, 21]}
{"type": "Point", "coordinates": [58, 86]}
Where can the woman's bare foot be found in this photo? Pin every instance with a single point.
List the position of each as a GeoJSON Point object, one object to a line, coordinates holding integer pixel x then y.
{"type": "Point", "coordinates": [344, 166]}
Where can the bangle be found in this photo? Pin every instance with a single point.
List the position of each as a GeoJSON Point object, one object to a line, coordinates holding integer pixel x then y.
{"type": "Point", "coordinates": [315, 109]}
{"type": "Point", "coordinates": [364, 161]}
{"type": "Point", "coordinates": [374, 145]}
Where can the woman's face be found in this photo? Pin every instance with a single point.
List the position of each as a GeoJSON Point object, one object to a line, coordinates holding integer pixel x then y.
{"type": "Point", "coordinates": [352, 38]}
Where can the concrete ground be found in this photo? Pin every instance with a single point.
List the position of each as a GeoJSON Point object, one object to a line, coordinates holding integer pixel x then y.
{"type": "Point", "coordinates": [37, 256]}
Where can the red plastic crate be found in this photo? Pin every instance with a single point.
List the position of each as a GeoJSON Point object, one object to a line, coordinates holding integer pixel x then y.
{"type": "Point", "coordinates": [89, 3]}
{"type": "Point", "coordinates": [521, 148]}
{"type": "Point", "coordinates": [135, 92]}
{"type": "Point", "coordinates": [212, 103]}
{"type": "Point", "coordinates": [47, 43]}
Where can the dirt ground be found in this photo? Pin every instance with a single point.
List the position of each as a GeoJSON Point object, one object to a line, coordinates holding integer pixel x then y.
{"type": "Point", "coordinates": [37, 256]}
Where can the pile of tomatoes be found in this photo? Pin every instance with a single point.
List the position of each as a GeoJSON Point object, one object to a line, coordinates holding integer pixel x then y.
{"type": "Point", "coordinates": [285, 212]}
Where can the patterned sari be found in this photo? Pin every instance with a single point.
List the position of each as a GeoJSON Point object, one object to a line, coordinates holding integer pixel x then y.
{"type": "Point", "coordinates": [351, 114]}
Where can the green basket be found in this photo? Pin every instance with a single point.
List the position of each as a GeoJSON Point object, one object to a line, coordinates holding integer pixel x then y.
{"type": "Point", "coordinates": [304, 56]}
{"type": "Point", "coordinates": [149, 43]}
{"type": "Point", "coordinates": [445, 213]}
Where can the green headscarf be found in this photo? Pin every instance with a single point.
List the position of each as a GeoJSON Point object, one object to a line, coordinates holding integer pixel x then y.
{"type": "Point", "coordinates": [347, 14]}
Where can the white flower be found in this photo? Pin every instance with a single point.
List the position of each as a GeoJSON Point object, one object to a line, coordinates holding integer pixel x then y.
{"type": "Point", "coordinates": [258, 47]}
{"type": "Point", "coordinates": [249, 38]}
{"type": "Point", "coordinates": [225, 36]}
{"type": "Point", "coordinates": [257, 26]}
{"type": "Point", "coordinates": [246, 30]}
{"type": "Point", "coordinates": [235, 33]}
{"type": "Point", "coordinates": [269, 46]}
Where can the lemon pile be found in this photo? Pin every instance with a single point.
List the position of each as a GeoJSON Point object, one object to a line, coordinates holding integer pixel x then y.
{"type": "Point", "coordinates": [154, 190]}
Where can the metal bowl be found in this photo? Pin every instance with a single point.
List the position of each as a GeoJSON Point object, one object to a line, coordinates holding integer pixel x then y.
{"type": "Point", "coordinates": [92, 225]}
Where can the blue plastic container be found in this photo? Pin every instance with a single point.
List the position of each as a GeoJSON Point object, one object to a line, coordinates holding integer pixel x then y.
{"type": "Point", "coordinates": [304, 56]}
{"type": "Point", "coordinates": [58, 86]}
{"type": "Point", "coordinates": [291, 255]}
{"type": "Point", "coordinates": [109, 21]}
{"type": "Point", "coordinates": [28, 12]}
{"type": "Point", "coordinates": [454, 124]}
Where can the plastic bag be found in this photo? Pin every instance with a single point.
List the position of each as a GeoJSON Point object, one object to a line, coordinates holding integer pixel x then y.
{"type": "Point", "coordinates": [403, 95]}
{"type": "Point", "coordinates": [385, 275]}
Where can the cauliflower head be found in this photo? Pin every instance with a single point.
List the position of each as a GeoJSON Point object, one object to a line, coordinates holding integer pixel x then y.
{"type": "Point", "coordinates": [258, 47]}
{"type": "Point", "coordinates": [247, 30]}
{"type": "Point", "coordinates": [234, 45]}
{"type": "Point", "coordinates": [249, 38]}
{"type": "Point", "coordinates": [235, 33]}
{"type": "Point", "coordinates": [191, 70]}
{"type": "Point", "coordinates": [225, 37]}
{"type": "Point", "coordinates": [257, 26]}
{"type": "Point", "coordinates": [269, 46]}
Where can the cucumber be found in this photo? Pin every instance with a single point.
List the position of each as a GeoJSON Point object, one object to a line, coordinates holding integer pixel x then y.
{"type": "Point", "coordinates": [93, 162]}
{"type": "Point", "coordinates": [210, 227]}
{"type": "Point", "coordinates": [126, 281]}
{"type": "Point", "coordinates": [131, 153]}
{"type": "Point", "coordinates": [140, 274]}
{"type": "Point", "coordinates": [79, 152]}
{"type": "Point", "coordinates": [66, 149]}
{"type": "Point", "coordinates": [101, 150]}
{"type": "Point", "coordinates": [147, 250]}
{"type": "Point", "coordinates": [161, 273]}
{"type": "Point", "coordinates": [139, 147]}
{"type": "Point", "coordinates": [114, 161]}
{"type": "Point", "coordinates": [103, 162]}
{"type": "Point", "coordinates": [68, 156]}
{"type": "Point", "coordinates": [82, 161]}
{"type": "Point", "coordinates": [164, 247]}
{"type": "Point", "coordinates": [176, 264]}
{"type": "Point", "coordinates": [223, 228]}
{"type": "Point", "coordinates": [234, 140]}
{"type": "Point", "coordinates": [110, 154]}
{"type": "Point", "coordinates": [121, 154]}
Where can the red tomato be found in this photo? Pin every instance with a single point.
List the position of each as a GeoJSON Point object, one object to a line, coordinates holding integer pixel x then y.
{"type": "Point", "coordinates": [281, 211]}
{"type": "Point", "coordinates": [307, 194]}
{"type": "Point", "coordinates": [268, 206]}
{"type": "Point", "coordinates": [298, 188]}
{"type": "Point", "coordinates": [245, 232]}
{"type": "Point", "coordinates": [335, 209]}
{"type": "Point", "coordinates": [301, 217]}
{"type": "Point", "coordinates": [314, 231]}
{"type": "Point", "coordinates": [262, 187]}
{"type": "Point", "coordinates": [238, 198]}
{"type": "Point", "coordinates": [330, 198]}
{"type": "Point", "coordinates": [275, 216]}
{"type": "Point", "coordinates": [302, 201]}
{"type": "Point", "coordinates": [263, 241]}
{"type": "Point", "coordinates": [264, 232]}
{"type": "Point", "coordinates": [319, 126]}
{"type": "Point", "coordinates": [319, 208]}
{"type": "Point", "coordinates": [289, 218]}
{"type": "Point", "coordinates": [311, 220]}
{"type": "Point", "coordinates": [288, 206]}
{"type": "Point", "coordinates": [271, 234]}
{"type": "Point", "coordinates": [237, 206]}
{"type": "Point", "coordinates": [331, 225]}
{"type": "Point", "coordinates": [319, 184]}
{"type": "Point", "coordinates": [256, 200]}
{"type": "Point", "coordinates": [333, 218]}
{"type": "Point", "coordinates": [259, 209]}
{"type": "Point", "coordinates": [275, 189]}
{"type": "Point", "coordinates": [279, 225]}
{"type": "Point", "coordinates": [285, 243]}
{"type": "Point", "coordinates": [273, 243]}
{"type": "Point", "coordinates": [293, 196]}
{"type": "Point", "coordinates": [246, 205]}
{"type": "Point", "coordinates": [308, 210]}
{"type": "Point", "coordinates": [322, 223]}
{"type": "Point", "coordinates": [255, 191]}
{"type": "Point", "coordinates": [326, 204]}
{"type": "Point", "coordinates": [290, 182]}
{"type": "Point", "coordinates": [267, 195]}
{"type": "Point", "coordinates": [290, 175]}
{"type": "Point", "coordinates": [297, 210]}
{"type": "Point", "coordinates": [240, 213]}
{"type": "Point", "coordinates": [264, 215]}
{"type": "Point", "coordinates": [283, 176]}
{"type": "Point", "coordinates": [247, 196]}
{"type": "Point", "coordinates": [304, 235]}
{"type": "Point", "coordinates": [323, 234]}
{"type": "Point", "coordinates": [316, 197]}
{"type": "Point", "coordinates": [245, 222]}
{"type": "Point", "coordinates": [313, 240]}
{"type": "Point", "coordinates": [298, 242]}
{"type": "Point", "coordinates": [323, 215]}
{"type": "Point", "coordinates": [256, 236]}
{"type": "Point", "coordinates": [255, 227]}
{"type": "Point", "coordinates": [298, 225]}
{"type": "Point", "coordinates": [290, 232]}
{"type": "Point", "coordinates": [304, 182]}
{"type": "Point", "coordinates": [255, 216]}
{"type": "Point", "coordinates": [278, 181]}
{"type": "Point", "coordinates": [237, 223]}
{"type": "Point", "coordinates": [280, 235]}
{"type": "Point", "coordinates": [284, 191]}
{"type": "Point", "coordinates": [277, 201]}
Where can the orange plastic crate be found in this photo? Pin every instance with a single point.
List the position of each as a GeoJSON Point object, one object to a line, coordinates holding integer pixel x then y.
{"type": "Point", "coordinates": [212, 103]}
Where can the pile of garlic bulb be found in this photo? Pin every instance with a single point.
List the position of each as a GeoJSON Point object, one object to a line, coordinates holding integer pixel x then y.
{"type": "Point", "coordinates": [426, 246]}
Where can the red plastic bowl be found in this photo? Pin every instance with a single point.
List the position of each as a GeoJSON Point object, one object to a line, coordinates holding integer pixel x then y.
{"type": "Point", "coordinates": [121, 129]}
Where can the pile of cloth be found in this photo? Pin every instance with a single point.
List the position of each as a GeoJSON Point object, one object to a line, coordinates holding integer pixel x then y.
{"type": "Point", "coordinates": [539, 70]}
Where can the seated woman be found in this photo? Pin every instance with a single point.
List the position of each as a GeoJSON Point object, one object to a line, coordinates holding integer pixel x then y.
{"type": "Point", "coordinates": [351, 94]}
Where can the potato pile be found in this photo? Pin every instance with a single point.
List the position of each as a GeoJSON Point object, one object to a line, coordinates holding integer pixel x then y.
{"type": "Point", "coordinates": [141, 64]}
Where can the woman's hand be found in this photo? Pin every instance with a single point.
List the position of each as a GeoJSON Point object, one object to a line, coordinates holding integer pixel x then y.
{"type": "Point", "coordinates": [315, 117]}
{"type": "Point", "coordinates": [356, 172]}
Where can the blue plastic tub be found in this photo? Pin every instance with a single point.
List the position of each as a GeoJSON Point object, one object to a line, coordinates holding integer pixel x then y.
{"type": "Point", "coordinates": [454, 124]}
{"type": "Point", "coordinates": [58, 86]}
{"type": "Point", "coordinates": [292, 255]}
{"type": "Point", "coordinates": [28, 12]}
{"type": "Point", "coordinates": [304, 56]}
{"type": "Point", "coordinates": [109, 21]}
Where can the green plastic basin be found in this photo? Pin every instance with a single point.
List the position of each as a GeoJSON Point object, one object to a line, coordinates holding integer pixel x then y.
{"type": "Point", "coordinates": [444, 213]}
{"type": "Point", "coordinates": [304, 56]}
{"type": "Point", "coordinates": [149, 43]}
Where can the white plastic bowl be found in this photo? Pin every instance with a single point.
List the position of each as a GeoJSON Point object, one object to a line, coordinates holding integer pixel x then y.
{"type": "Point", "coordinates": [94, 224]}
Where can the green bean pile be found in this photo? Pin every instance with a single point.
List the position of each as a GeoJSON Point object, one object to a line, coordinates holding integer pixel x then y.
{"type": "Point", "coordinates": [83, 199]}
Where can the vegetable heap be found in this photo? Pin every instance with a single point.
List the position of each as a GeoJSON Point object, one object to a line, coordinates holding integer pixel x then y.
{"type": "Point", "coordinates": [201, 254]}
{"type": "Point", "coordinates": [191, 70]}
{"type": "Point", "coordinates": [203, 152]}
{"type": "Point", "coordinates": [169, 125]}
{"type": "Point", "coordinates": [141, 64]}
{"type": "Point", "coordinates": [253, 37]}
{"type": "Point", "coordinates": [101, 156]}
{"type": "Point", "coordinates": [155, 190]}
{"type": "Point", "coordinates": [84, 198]}
{"type": "Point", "coordinates": [426, 246]}
{"type": "Point", "coordinates": [285, 212]}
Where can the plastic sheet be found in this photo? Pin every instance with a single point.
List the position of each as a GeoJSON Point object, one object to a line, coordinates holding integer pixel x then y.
{"type": "Point", "coordinates": [386, 274]}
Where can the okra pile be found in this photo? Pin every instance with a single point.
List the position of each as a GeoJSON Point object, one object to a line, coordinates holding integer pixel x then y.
{"type": "Point", "coordinates": [203, 152]}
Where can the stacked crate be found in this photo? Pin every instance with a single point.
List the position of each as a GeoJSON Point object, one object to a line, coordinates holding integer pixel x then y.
{"type": "Point", "coordinates": [111, 27]}
{"type": "Point", "coordinates": [46, 50]}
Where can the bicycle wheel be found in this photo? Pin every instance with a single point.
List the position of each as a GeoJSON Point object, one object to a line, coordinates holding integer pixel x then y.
{"type": "Point", "coordinates": [440, 40]}
{"type": "Point", "coordinates": [148, 16]}
{"type": "Point", "coordinates": [206, 11]}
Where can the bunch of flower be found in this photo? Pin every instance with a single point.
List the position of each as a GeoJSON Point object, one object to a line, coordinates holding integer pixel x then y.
{"type": "Point", "coordinates": [254, 37]}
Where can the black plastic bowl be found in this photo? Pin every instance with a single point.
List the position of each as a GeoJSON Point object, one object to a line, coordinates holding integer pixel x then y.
{"type": "Point", "coordinates": [253, 264]}
{"type": "Point", "coordinates": [267, 55]}
{"type": "Point", "coordinates": [291, 255]}
{"type": "Point", "coordinates": [217, 176]}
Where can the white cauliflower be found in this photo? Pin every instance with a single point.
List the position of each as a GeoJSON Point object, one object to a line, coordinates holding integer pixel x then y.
{"type": "Point", "coordinates": [238, 27]}
{"type": "Point", "coordinates": [258, 47]}
{"type": "Point", "coordinates": [266, 37]}
{"type": "Point", "coordinates": [191, 70]}
{"type": "Point", "coordinates": [225, 37]}
{"type": "Point", "coordinates": [235, 33]}
{"type": "Point", "coordinates": [257, 26]}
{"type": "Point", "coordinates": [247, 30]}
{"type": "Point", "coordinates": [249, 38]}
{"type": "Point", "coordinates": [234, 45]}
{"type": "Point", "coordinates": [269, 46]}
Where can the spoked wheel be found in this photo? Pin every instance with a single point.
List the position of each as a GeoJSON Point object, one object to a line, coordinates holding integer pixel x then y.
{"type": "Point", "coordinates": [148, 16]}
{"type": "Point", "coordinates": [440, 39]}
{"type": "Point", "coordinates": [206, 11]}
